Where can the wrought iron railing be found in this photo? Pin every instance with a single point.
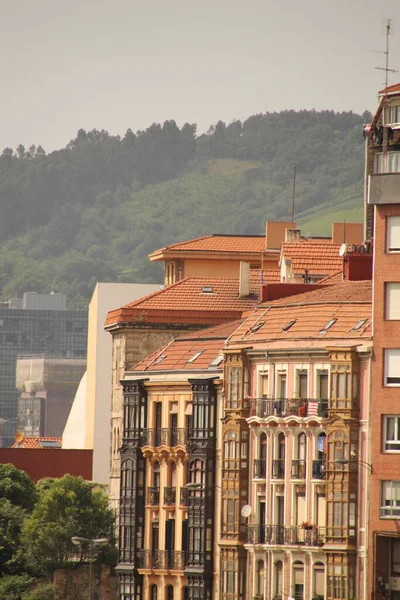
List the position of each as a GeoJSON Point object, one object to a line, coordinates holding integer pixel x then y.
{"type": "Point", "coordinates": [183, 497]}
{"type": "Point", "coordinates": [169, 496]}
{"type": "Point", "coordinates": [286, 407]}
{"type": "Point", "coordinates": [279, 535]}
{"type": "Point", "coordinates": [298, 469]}
{"type": "Point", "coordinates": [319, 469]}
{"type": "Point", "coordinates": [153, 496]}
{"type": "Point", "coordinates": [171, 560]}
{"type": "Point", "coordinates": [278, 468]}
{"type": "Point", "coordinates": [164, 437]}
{"type": "Point", "coordinates": [260, 468]}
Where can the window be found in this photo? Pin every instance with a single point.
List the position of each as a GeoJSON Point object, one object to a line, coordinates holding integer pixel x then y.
{"type": "Point", "coordinates": [302, 384]}
{"type": "Point", "coordinates": [392, 296]}
{"type": "Point", "coordinates": [319, 580]}
{"type": "Point", "coordinates": [263, 384]}
{"type": "Point", "coordinates": [392, 116]}
{"type": "Point", "coordinates": [390, 500]}
{"type": "Point", "coordinates": [323, 384]}
{"type": "Point", "coordinates": [390, 165]}
{"type": "Point", "coordinates": [281, 391]}
{"type": "Point", "coordinates": [193, 358]}
{"type": "Point", "coordinates": [260, 578]}
{"type": "Point", "coordinates": [278, 578]}
{"type": "Point", "coordinates": [391, 433]}
{"type": "Point", "coordinates": [358, 325]}
{"type": "Point", "coordinates": [288, 325]}
{"type": "Point", "coordinates": [392, 367]}
{"type": "Point", "coordinates": [328, 325]}
{"type": "Point", "coordinates": [393, 234]}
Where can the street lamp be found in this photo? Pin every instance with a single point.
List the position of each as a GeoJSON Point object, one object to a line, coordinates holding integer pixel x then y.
{"type": "Point", "coordinates": [346, 461]}
{"type": "Point", "coordinates": [201, 486]}
{"type": "Point", "coordinates": [93, 542]}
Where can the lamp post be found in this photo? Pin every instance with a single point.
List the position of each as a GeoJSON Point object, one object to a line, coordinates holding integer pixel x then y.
{"type": "Point", "coordinates": [346, 461]}
{"type": "Point", "coordinates": [201, 486]}
{"type": "Point", "coordinates": [93, 542]}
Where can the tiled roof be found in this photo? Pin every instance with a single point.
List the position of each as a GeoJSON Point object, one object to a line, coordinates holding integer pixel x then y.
{"type": "Point", "coordinates": [319, 257]}
{"type": "Point", "coordinates": [191, 301]}
{"type": "Point", "coordinates": [41, 443]}
{"type": "Point", "coordinates": [332, 279]}
{"type": "Point", "coordinates": [391, 88]}
{"type": "Point", "coordinates": [219, 243]}
{"type": "Point", "coordinates": [268, 276]}
{"type": "Point", "coordinates": [348, 303]}
{"type": "Point", "coordinates": [175, 355]}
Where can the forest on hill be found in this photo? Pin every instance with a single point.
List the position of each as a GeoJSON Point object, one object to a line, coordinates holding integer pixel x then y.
{"type": "Point", "coordinates": [95, 209]}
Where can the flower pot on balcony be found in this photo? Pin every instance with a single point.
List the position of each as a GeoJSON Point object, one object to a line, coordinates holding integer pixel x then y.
{"type": "Point", "coordinates": [302, 411]}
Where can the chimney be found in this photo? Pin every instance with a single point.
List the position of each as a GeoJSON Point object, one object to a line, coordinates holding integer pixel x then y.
{"type": "Point", "coordinates": [244, 279]}
{"type": "Point", "coordinates": [292, 235]}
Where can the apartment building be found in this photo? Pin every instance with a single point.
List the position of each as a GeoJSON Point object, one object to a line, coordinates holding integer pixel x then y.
{"type": "Point", "coordinates": [297, 379]}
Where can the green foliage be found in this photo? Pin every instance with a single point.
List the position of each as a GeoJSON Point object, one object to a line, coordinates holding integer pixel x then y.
{"type": "Point", "coordinates": [94, 210]}
{"type": "Point", "coordinates": [17, 487]}
{"type": "Point", "coordinates": [66, 507]}
{"type": "Point", "coordinates": [13, 587]}
{"type": "Point", "coordinates": [11, 521]}
{"type": "Point", "coordinates": [40, 592]}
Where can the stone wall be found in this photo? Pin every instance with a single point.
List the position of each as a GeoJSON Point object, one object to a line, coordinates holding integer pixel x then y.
{"type": "Point", "coordinates": [73, 583]}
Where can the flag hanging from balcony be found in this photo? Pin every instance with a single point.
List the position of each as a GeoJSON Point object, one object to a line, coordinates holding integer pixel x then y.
{"type": "Point", "coordinates": [312, 410]}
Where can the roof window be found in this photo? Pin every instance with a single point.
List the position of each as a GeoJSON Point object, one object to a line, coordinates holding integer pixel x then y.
{"type": "Point", "coordinates": [359, 325]}
{"type": "Point", "coordinates": [195, 356]}
{"type": "Point", "coordinates": [49, 444]}
{"type": "Point", "coordinates": [257, 326]}
{"type": "Point", "coordinates": [217, 361]}
{"type": "Point", "coordinates": [327, 326]}
{"type": "Point", "coordinates": [160, 359]}
{"type": "Point", "coordinates": [288, 325]}
{"type": "Point", "coordinates": [207, 289]}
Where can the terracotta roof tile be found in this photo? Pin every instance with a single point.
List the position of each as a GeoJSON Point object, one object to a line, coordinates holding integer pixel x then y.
{"type": "Point", "coordinates": [219, 243]}
{"type": "Point", "coordinates": [332, 279]}
{"type": "Point", "coordinates": [348, 302]}
{"type": "Point", "coordinates": [187, 302]}
{"type": "Point", "coordinates": [319, 257]}
{"type": "Point", "coordinates": [177, 353]}
{"type": "Point", "coordinates": [41, 443]}
{"type": "Point", "coordinates": [267, 275]}
{"type": "Point", "coordinates": [391, 88]}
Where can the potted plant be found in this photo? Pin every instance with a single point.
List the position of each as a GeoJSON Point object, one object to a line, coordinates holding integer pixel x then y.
{"type": "Point", "coordinates": [307, 525]}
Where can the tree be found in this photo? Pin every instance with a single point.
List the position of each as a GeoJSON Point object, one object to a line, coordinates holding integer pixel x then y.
{"type": "Point", "coordinates": [66, 507]}
{"type": "Point", "coordinates": [12, 587]}
{"type": "Point", "coordinates": [16, 487]}
{"type": "Point", "coordinates": [11, 521]}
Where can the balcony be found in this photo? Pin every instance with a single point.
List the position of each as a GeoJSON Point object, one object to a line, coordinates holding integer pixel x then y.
{"type": "Point", "coordinates": [286, 407]}
{"type": "Point", "coordinates": [160, 559]}
{"type": "Point", "coordinates": [183, 497]}
{"type": "Point", "coordinates": [282, 535]}
{"type": "Point", "coordinates": [278, 468]}
{"type": "Point", "coordinates": [153, 496]}
{"type": "Point", "coordinates": [260, 468]}
{"type": "Point", "coordinates": [169, 496]}
{"type": "Point", "coordinates": [319, 469]}
{"type": "Point", "coordinates": [298, 469]}
{"type": "Point", "coordinates": [164, 437]}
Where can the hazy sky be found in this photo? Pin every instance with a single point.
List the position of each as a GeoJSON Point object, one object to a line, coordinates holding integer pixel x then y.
{"type": "Point", "coordinates": [114, 64]}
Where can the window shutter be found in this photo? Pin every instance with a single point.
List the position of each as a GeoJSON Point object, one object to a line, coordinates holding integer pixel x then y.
{"type": "Point", "coordinates": [393, 234]}
{"type": "Point", "coordinates": [392, 367]}
{"type": "Point", "coordinates": [393, 300]}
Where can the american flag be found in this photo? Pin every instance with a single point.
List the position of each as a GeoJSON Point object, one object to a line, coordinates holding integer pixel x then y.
{"type": "Point", "coordinates": [312, 410]}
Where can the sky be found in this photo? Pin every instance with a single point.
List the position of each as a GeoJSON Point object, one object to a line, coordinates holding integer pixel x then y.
{"type": "Point", "coordinates": [119, 64]}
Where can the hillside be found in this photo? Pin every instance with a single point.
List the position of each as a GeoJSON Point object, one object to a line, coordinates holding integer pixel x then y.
{"type": "Point", "coordinates": [94, 210]}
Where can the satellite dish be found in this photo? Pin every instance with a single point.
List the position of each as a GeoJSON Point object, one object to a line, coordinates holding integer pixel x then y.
{"type": "Point", "coordinates": [246, 511]}
{"type": "Point", "coordinates": [342, 249]}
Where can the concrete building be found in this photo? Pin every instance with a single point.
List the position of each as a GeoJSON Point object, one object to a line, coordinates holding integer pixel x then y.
{"type": "Point", "coordinates": [32, 332]}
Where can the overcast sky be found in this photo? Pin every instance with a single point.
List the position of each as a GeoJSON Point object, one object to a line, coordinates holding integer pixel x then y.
{"type": "Point", "coordinates": [114, 64]}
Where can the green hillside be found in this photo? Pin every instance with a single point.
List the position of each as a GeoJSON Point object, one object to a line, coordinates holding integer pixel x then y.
{"type": "Point", "coordinates": [94, 210]}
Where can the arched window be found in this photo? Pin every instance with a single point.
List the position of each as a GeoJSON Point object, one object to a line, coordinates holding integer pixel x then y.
{"type": "Point", "coordinates": [261, 462]}
{"type": "Point", "coordinates": [156, 474]}
{"type": "Point", "coordinates": [281, 446]}
{"type": "Point", "coordinates": [260, 577]}
{"type": "Point", "coordinates": [173, 475]}
{"type": "Point", "coordinates": [263, 446]}
{"type": "Point", "coordinates": [298, 580]}
{"type": "Point", "coordinates": [301, 446]}
{"type": "Point", "coordinates": [153, 592]}
{"type": "Point", "coordinates": [278, 579]}
{"type": "Point", "coordinates": [170, 592]}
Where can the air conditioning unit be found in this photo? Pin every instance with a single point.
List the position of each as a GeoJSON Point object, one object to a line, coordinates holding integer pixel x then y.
{"type": "Point", "coordinates": [395, 583]}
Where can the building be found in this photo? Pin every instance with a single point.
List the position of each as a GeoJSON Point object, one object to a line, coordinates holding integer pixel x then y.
{"type": "Point", "coordinates": [27, 332]}
{"type": "Point", "coordinates": [169, 533]}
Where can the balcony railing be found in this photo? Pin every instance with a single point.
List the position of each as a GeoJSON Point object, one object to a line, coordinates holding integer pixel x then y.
{"type": "Point", "coordinates": [183, 497]}
{"type": "Point", "coordinates": [164, 437]}
{"type": "Point", "coordinates": [169, 496]}
{"type": "Point", "coordinates": [282, 535]}
{"type": "Point", "coordinates": [319, 469]}
{"type": "Point", "coordinates": [298, 469]}
{"type": "Point", "coordinates": [161, 559]}
{"type": "Point", "coordinates": [260, 468]}
{"type": "Point", "coordinates": [286, 407]}
{"type": "Point", "coordinates": [153, 496]}
{"type": "Point", "coordinates": [278, 468]}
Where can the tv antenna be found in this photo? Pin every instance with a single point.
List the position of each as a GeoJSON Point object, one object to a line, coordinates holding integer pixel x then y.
{"type": "Point", "coordinates": [388, 30]}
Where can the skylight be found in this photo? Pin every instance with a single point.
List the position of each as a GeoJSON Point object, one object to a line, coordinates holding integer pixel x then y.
{"type": "Point", "coordinates": [288, 325]}
{"type": "Point", "coordinates": [217, 361]}
{"type": "Point", "coordinates": [160, 359]}
{"type": "Point", "coordinates": [359, 324]}
{"type": "Point", "coordinates": [328, 325]}
{"type": "Point", "coordinates": [257, 326]}
{"type": "Point", "coordinates": [49, 444]}
{"type": "Point", "coordinates": [207, 289]}
{"type": "Point", "coordinates": [191, 360]}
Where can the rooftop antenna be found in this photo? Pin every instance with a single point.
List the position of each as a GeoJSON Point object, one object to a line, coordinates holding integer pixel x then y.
{"type": "Point", "coordinates": [294, 194]}
{"type": "Point", "coordinates": [388, 29]}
